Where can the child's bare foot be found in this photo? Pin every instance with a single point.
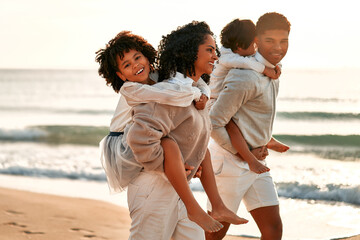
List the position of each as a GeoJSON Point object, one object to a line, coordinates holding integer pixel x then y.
{"type": "Point", "coordinates": [204, 220]}
{"type": "Point", "coordinates": [223, 214]}
{"type": "Point", "coordinates": [258, 167]}
{"type": "Point", "coordinates": [277, 146]}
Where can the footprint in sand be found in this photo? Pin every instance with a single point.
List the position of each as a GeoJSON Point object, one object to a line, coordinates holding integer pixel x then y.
{"type": "Point", "coordinates": [85, 231]}
{"type": "Point", "coordinates": [13, 212]}
{"type": "Point", "coordinates": [14, 224]}
{"type": "Point", "coordinates": [88, 234]}
{"type": "Point", "coordinates": [30, 232]}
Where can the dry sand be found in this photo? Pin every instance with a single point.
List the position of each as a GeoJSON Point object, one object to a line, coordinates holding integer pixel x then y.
{"type": "Point", "coordinates": [26, 215]}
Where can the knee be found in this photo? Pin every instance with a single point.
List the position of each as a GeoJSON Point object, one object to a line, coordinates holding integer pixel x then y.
{"type": "Point", "coordinates": [273, 231]}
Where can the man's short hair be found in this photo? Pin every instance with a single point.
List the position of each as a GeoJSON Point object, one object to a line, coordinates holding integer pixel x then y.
{"type": "Point", "coordinates": [272, 21]}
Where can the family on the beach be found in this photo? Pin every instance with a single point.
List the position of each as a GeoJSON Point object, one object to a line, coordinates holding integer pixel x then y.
{"type": "Point", "coordinates": [191, 110]}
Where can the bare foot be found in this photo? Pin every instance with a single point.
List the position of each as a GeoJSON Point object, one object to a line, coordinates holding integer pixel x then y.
{"type": "Point", "coordinates": [258, 167]}
{"type": "Point", "coordinates": [204, 220]}
{"type": "Point", "coordinates": [223, 214]}
{"type": "Point", "coordinates": [277, 146]}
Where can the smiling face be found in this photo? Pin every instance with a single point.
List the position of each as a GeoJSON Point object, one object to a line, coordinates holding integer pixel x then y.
{"type": "Point", "coordinates": [133, 67]}
{"type": "Point", "coordinates": [273, 45]}
{"type": "Point", "coordinates": [206, 58]}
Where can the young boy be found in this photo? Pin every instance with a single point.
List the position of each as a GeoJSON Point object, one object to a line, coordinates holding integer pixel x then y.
{"type": "Point", "coordinates": [130, 58]}
{"type": "Point", "coordinates": [238, 48]}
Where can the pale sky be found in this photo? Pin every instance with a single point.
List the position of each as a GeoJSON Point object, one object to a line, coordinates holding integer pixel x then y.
{"type": "Point", "coordinates": [66, 33]}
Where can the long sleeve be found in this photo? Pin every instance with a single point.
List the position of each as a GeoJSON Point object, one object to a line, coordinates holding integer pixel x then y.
{"type": "Point", "coordinates": [234, 60]}
{"type": "Point", "coordinates": [144, 136]}
{"type": "Point", "coordinates": [238, 89]}
{"type": "Point", "coordinates": [204, 88]}
{"type": "Point", "coordinates": [163, 93]}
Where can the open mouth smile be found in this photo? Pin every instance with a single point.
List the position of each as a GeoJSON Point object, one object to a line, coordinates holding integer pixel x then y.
{"type": "Point", "coordinates": [140, 71]}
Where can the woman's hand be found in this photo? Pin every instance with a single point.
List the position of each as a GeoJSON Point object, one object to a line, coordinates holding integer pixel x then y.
{"type": "Point", "coordinates": [188, 169]}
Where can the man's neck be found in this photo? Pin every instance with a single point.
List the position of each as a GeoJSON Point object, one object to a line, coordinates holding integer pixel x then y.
{"type": "Point", "coordinates": [262, 60]}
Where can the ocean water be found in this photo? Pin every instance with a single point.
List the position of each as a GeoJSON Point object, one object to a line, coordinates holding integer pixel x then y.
{"type": "Point", "coordinates": [51, 122]}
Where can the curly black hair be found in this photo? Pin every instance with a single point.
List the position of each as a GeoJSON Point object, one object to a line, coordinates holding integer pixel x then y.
{"type": "Point", "coordinates": [122, 43]}
{"type": "Point", "coordinates": [178, 50]}
{"type": "Point", "coordinates": [238, 33]}
{"type": "Point", "coordinates": [272, 21]}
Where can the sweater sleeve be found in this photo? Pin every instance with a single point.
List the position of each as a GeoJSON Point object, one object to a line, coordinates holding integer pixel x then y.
{"type": "Point", "coordinates": [144, 136]}
{"type": "Point", "coordinates": [239, 87]}
{"type": "Point", "coordinates": [204, 88]}
{"type": "Point", "coordinates": [237, 61]}
{"type": "Point", "coordinates": [163, 93]}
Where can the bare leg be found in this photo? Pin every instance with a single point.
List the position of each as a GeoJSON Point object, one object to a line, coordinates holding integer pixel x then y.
{"type": "Point", "coordinates": [219, 211]}
{"type": "Point", "coordinates": [239, 143]}
{"type": "Point", "coordinates": [277, 146]}
{"type": "Point", "coordinates": [267, 219]}
{"type": "Point", "coordinates": [174, 170]}
{"type": "Point", "coordinates": [269, 222]}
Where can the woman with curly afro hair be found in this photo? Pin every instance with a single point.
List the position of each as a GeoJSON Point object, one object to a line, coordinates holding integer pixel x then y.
{"type": "Point", "coordinates": [185, 55]}
{"type": "Point", "coordinates": [178, 50]}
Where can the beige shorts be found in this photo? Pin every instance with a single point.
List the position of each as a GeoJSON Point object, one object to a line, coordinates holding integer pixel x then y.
{"type": "Point", "coordinates": [236, 183]}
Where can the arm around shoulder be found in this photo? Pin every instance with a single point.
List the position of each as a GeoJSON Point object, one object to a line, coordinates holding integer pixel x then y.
{"type": "Point", "coordinates": [163, 92]}
{"type": "Point", "coordinates": [237, 61]}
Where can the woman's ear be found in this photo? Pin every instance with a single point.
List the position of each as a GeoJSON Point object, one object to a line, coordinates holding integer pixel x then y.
{"type": "Point", "coordinates": [122, 77]}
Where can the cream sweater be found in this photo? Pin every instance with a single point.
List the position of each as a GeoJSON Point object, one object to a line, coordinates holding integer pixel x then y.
{"type": "Point", "coordinates": [188, 127]}
{"type": "Point", "coordinates": [249, 98]}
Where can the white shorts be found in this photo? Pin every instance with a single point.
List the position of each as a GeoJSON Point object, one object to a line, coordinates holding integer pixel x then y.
{"type": "Point", "coordinates": [157, 212]}
{"type": "Point", "coordinates": [235, 182]}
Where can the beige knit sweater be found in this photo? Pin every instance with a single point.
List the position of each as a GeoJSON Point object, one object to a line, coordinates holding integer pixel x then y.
{"type": "Point", "coordinates": [189, 127]}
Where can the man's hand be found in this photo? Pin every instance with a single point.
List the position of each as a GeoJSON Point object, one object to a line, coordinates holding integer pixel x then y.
{"type": "Point", "coordinates": [188, 169]}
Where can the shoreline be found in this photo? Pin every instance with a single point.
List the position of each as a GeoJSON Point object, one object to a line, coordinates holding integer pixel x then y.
{"type": "Point", "coordinates": [39, 216]}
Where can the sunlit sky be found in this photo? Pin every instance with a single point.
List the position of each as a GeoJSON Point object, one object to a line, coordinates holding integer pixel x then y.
{"type": "Point", "coordinates": [66, 33]}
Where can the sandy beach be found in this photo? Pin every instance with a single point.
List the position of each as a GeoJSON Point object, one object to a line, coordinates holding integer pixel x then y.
{"type": "Point", "coordinates": [27, 215]}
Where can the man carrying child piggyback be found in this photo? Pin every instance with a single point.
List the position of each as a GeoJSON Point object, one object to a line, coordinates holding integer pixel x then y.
{"type": "Point", "coordinates": [248, 98]}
